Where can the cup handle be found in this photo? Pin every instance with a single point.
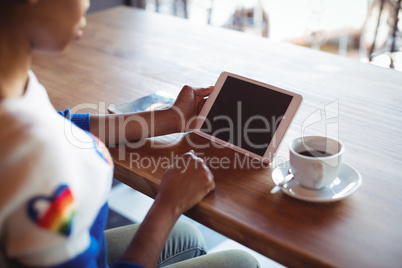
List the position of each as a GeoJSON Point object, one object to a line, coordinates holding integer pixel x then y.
{"type": "Point", "coordinates": [320, 168]}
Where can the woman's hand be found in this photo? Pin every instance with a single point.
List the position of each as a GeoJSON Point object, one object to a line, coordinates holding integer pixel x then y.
{"type": "Point", "coordinates": [184, 184]}
{"type": "Point", "coordinates": [180, 117]}
{"type": "Point", "coordinates": [188, 105]}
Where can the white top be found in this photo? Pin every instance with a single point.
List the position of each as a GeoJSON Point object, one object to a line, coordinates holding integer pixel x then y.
{"type": "Point", "coordinates": [54, 179]}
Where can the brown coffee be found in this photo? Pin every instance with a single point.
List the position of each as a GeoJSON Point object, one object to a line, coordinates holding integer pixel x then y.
{"type": "Point", "coordinates": [315, 153]}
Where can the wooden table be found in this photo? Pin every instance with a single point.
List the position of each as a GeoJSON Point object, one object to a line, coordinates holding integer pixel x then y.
{"type": "Point", "coordinates": [128, 53]}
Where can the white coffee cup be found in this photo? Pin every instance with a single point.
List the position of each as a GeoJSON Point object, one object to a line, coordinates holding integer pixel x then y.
{"type": "Point", "coordinates": [315, 161]}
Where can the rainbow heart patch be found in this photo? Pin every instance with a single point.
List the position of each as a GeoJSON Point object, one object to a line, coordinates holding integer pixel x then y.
{"type": "Point", "coordinates": [54, 213]}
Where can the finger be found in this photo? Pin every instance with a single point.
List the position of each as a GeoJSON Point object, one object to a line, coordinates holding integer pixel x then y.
{"type": "Point", "coordinates": [195, 160]}
{"type": "Point", "coordinates": [200, 105]}
{"type": "Point", "coordinates": [199, 159]}
{"type": "Point", "coordinates": [204, 166]}
{"type": "Point", "coordinates": [212, 185]}
{"type": "Point", "coordinates": [210, 176]}
{"type": "Point", "coordinates": [203, 92]}
{"type": "Point", "coordinates": [194, 155]}
{"type": "Point", "coordinates": [209, 173]}
{"type": "Point", "coordinates": [190, 153]}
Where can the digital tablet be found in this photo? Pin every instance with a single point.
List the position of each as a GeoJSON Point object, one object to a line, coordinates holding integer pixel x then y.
{"type": "Point", "coordinates": [248, 116]}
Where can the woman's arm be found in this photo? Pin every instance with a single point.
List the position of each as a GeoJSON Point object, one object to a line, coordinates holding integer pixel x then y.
{"type": "Point", "coordinates": [113, 129]}
{"type": "Point", "coordinates": [184, 184]}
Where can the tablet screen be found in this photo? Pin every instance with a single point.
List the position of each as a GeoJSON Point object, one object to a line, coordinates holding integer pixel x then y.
{"type": "Point", "coordinates": [246, 115]}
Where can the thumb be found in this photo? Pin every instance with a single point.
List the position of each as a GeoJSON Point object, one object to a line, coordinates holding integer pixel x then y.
{"type": "Point", "coordinates": [200, 105]}
{"type": "Point", "coordinates": [203, 92]}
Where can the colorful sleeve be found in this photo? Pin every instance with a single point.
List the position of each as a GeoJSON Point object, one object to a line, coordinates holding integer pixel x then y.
{"type": "Point", "coordinates": [80, 119]}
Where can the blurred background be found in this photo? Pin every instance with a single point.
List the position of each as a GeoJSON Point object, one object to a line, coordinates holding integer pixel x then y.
{"type": "Point", "coordinates": [365, 30]}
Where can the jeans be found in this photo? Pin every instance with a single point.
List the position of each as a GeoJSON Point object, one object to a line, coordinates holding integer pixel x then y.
{"type": "Point", "coordinates": [185, 247]}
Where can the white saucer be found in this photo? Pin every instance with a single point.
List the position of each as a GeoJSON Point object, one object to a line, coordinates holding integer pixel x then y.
{"type": "Point", "coordinates": [348, 181]}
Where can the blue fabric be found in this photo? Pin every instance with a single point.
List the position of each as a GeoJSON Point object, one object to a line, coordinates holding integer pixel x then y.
{"type": "Point", "coordinates": [80, 120]}
{"type": "Point", "coordinates": [97, 233]}
{"type": "Point", "coordinates": [126, 264]}
{"type": "Point", "coordinates": [96, 254]}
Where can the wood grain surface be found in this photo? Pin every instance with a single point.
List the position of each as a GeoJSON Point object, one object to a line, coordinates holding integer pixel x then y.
{"type": "Point", "coordinates": [127, 53]}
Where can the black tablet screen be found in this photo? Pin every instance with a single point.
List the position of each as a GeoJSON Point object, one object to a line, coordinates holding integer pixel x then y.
{"type": "Point", "coordinates": [246, 115]}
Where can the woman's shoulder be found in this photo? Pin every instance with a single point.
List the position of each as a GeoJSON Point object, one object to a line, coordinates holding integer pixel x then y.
{"type": "Point", "coordinates": [19, 128]}
{"type": "Point", "coordinates": [21, 118]}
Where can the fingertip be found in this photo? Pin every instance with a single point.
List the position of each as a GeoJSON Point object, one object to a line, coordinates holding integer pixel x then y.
{"type": "Point", "coordinates": [205, 91]}
{"type": "Point", "coordinates": [191, 153]}
{"type": "Point", "coordinates": [212, 187]}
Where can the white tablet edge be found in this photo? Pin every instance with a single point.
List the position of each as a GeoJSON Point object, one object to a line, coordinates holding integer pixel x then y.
{"type": "Point", "coordinates": [279, 133]}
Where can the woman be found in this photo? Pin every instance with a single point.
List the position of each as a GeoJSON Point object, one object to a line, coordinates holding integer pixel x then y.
{"type": "Point", "coordinates": [53, 194]}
